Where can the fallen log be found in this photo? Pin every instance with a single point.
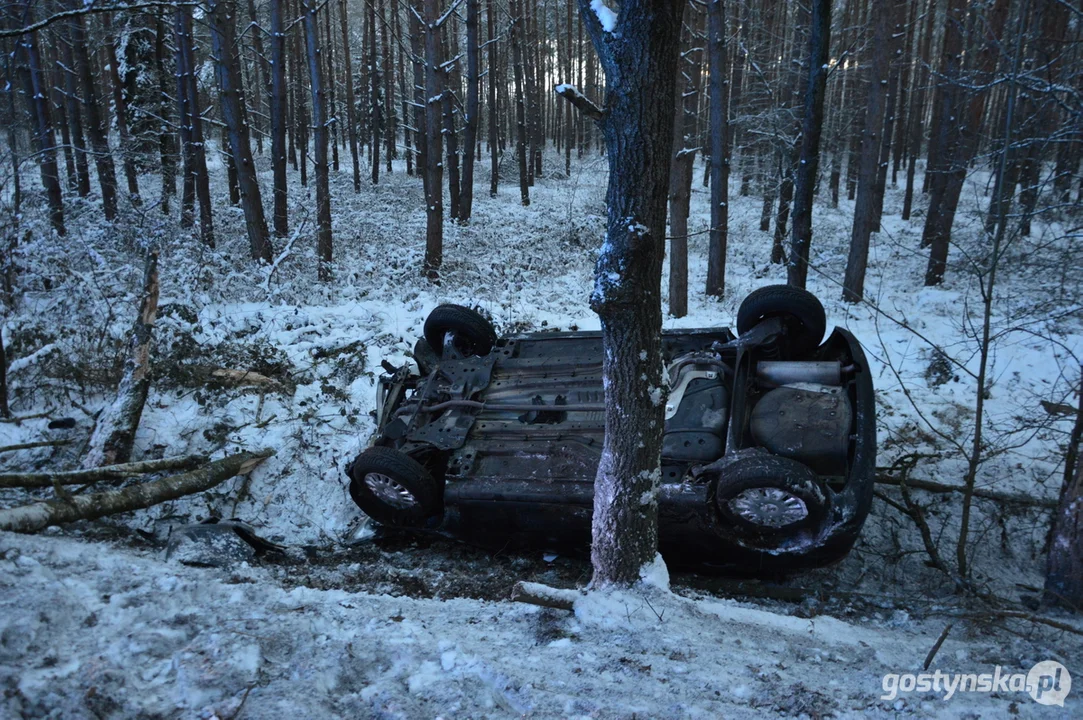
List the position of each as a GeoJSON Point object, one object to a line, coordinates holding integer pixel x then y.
{"type": "Point", "coordinates": [31, 518]}
{"type": "Point", "coordinates": [109, 472]}
{"type": "Point", "coordinates": [229, 376]}
{"type": "Point", "coordinates": [31, 445]}
{"type": "Point", "coordinates": [935, 487]}
{"type": "Point", "coordinates": [114, 432]}
{"type": "Point", "coordinates": [544, 595]}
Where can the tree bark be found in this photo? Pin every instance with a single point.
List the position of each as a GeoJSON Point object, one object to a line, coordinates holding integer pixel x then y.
{"type": "Point", "coordinates": [853, 289]}
{"type": "Point", "coordinates": [377, 124]}
{"type": "Point", "coordinates": [639, 58]}
{"type": "Point", "coordinates": [515, 8]}
{"type": "Point", "coordinates": [684, 158]}
{"type": "Point", "coordinates": [960, 123]}
{"type": "Point", "coordinates": [167, 146]}
{"type": "Point", "coordinates": [221, 16]}
{"type": "Point", "coordinates": [434, 142]}
{"type": "Point", "coordinates": [197, 180]}
{"type": "Point", "coordinates": [719, 137]}
{"type": "Point", "coordinates": [1064, 568]}
{"type": "Point", "coordinates": [32, 518]}
{"type": "Point", "coordinates": [120, 112]}
{"type": "Point", "coordinates": [279, 119]}
{"type": "Point", "coordinates": [319, 136]}
{"type": "Point", "coordinates": [494, 131]}
{"type": "Point", "coordinates": [114, 431]}
{"type": "Point", "coordinates": [44, 137]}
{"type": "Point", "coordinates": [470, 122]}
{"type": "Point", "coordinates": [351, 102]}
{"type": "Point", "coordinates": [108, 472]}
{"type": "Point", "coordinates": [95, 123]}
{"type": "Point", "coordinates": [812, 126]}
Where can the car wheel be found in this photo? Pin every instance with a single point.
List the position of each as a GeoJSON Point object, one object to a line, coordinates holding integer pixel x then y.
{"type": "Point", "coordinates": [394, 489]}
{"type": "Point", "coordinates": [474, 335]}
{"type": "Point", "coordinates": [770, 495]}
{"type": "Point", "coordinates": [801, 311]}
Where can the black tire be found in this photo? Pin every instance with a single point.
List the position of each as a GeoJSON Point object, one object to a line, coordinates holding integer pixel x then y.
{"type": "Point", "coordinates": [757, 477]}
{"type": "Point", "coordinates": [474, 334]}
{"type": "Point", "coordinates": [802, 313]}
{"type": "Point", "coordinates": [419, 495]}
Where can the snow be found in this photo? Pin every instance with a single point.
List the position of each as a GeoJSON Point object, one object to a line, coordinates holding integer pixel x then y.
{"type": "Point", "coordinates": [606, 16]}
{"type": "Point", "coordinates": [128, 635]}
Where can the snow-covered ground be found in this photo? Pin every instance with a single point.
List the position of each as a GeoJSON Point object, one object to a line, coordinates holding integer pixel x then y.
{"type": "Point", "coordinates": [529, 268]}
{"type": "Point", "coordinates": [91, 631]}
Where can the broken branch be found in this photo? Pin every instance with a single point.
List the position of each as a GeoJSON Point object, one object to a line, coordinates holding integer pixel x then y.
{"type": "Point", "coordinates": [109, 472]}
{"type": "Point", "coordinates": [581, 102]}
{"type": "Point", "coordinates": [31, 518]}
{"type": "Point", "coordinates": [545, 596]}
{"type": "Point", "coordinates": [31, 445]}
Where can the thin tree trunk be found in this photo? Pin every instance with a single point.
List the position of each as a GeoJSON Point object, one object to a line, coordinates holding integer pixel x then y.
{"type": "Point", "coordinates": [188, 102]}
{"type": "Point", "coordinates": [1064, 568]}
{"type": "Point", "coordinates": [75, 114]}
{"type": "Point", "coordinates": [120, 112]}
{"type": "Point", "coordinates": [390, 127]}
{"type": "Point", "coordinates": [494, 131]}
{"type": "Point", "coordinates": [811, 128]}
{"type": "Point", "coordinates": [375, 107]}
{"type": "Point", "coordinates": [45, 139]}
{"type": "Point", "coordinates": [470, 122]}
{"type": "Point", "coordinates": [221, 17]}
{"type": "Point", "coordinates": [684, 158]}
{"type": "Point", "coordinates": [965, 124]}
{"type": "Point", "coordinates": [279, 119]}
{"type": "Point", "coordinates": [351, 102]}
{"type": "Point", "coordinates": [114, 431]}
{"type": "Point", "coordinates": [167, 145]}
{"type": "Point", "coordinates": [434, 142]}
{"type": "Point", "coordinates": [719, 147]}
{"type": "Point", "coordinates": [95, 122]}
{"type": "Point", "coordinates": [451, 136]}
{"type": "Point", "coordinates": [864, 211]}
{"type": "Point", "coordinates": [319, 136]}
{"type": "Point", "coordinates": [515, 7]}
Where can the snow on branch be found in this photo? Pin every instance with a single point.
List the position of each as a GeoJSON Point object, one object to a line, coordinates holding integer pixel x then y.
{"type": "Point", "coordinates": [581, 101]}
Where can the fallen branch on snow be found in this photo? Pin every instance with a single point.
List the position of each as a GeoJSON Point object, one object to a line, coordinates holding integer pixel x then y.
{"type": "Point", "coordinates": [545, 596]}
{"type": "Point", "coordinates": [31, 518]}
{"type": "Point", "coordinates": [31, 445]}
{"type": "Point", "coordinates": [935, 487]}
{"type": "Point", "coordinates": [109, 472]}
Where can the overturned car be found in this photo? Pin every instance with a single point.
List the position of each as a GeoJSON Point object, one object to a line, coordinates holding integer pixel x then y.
{"type": "Point", "coordinates": [767, 457]}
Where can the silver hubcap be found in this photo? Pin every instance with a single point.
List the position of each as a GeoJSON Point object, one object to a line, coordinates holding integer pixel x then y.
{"type": "Point", "coordinates": [389, 491]}
{"type": "Point", "coordinates": [769, 506]}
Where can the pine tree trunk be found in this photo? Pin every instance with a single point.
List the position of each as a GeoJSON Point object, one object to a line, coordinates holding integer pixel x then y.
{"type": "Point", "coordinates": [516, 10]}
{"type": "Point", "coordinates": [451, 136]}
{"type": "Point", "coordinates": [640, 62]}
{"type": "Point", "coordinates": [864, 211]}
{"type": "Point", "coordinates": [319, 136]}
{"type": "Point", "coordinates": [221, 17]}
{"type": "Point", "coordinates": [1064, 568]}
{"type": "Point", "coordinates": [374, 96]}
{"type": "Point", "coordinates": [719, 149]}
{"type": "Point", "coordinates": [390, 152]}
{"type": "Point", "coordinates": [167, 145]}
{"type": "Point", "coordinates": [684, 158]}
{"type": "Point", "coordinates": [470, 123]}
{"type": "Point", "coordinates": [351, 101]}
{"type": "Point", "coordinates": [95, 123]}
{"type": "Point", "coordinates": [811, 129]}
{"type": "Point", "coordinates": [494, 130]}
{"type": "Point", "coordinates": [962, 142]}
{"type": "Point", "coordinates": [75, 115]}
{"type": "Point", "coordinates": [916, 119]}
{"type": "Point", "coordinates": [279, 120]}
{"type": "Point", "coordinates": [44, 137]}
{"type": "Point", "coordinates": [434, 142]}
{"type": "Point", "coordinates": [197, 180]}
{"type": "Point", "coordinates": [120, 112]}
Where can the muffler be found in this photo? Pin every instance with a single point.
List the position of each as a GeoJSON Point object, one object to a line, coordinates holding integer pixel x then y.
{"type": "Point", "coordinates": [787, 372]}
